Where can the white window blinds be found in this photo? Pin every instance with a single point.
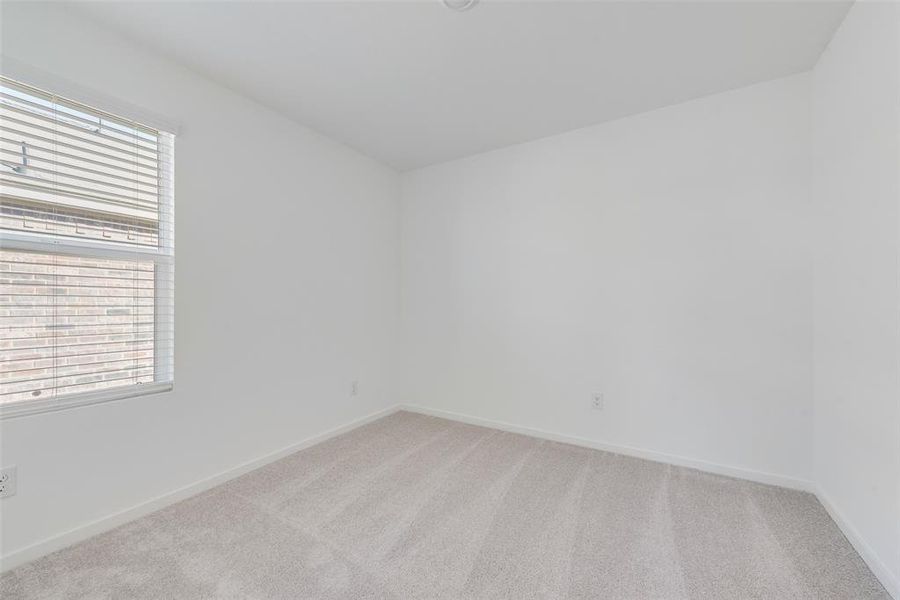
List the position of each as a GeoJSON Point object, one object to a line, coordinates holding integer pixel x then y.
{"type": "Point", "coordinates": [86, 252]}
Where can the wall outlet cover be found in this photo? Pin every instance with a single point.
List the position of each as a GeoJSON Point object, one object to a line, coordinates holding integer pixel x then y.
{"type": "Point", "coordinates": [7, 482]}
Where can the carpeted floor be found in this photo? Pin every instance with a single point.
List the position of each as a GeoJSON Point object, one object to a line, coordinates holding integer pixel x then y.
{"type": "Point", "coordinates": [417, 507]}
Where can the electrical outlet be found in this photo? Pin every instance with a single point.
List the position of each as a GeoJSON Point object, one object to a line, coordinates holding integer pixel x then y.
{"type": "Point", "coordinates": [7, 482]}
{"type": "Point", "coordinates": [354, 388]}
{"type": "Point", "coordinates": [597, 401]}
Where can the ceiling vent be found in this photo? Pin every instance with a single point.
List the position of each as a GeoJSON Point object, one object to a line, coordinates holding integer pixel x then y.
{"type": "Point", "coordinates": [459, 5]}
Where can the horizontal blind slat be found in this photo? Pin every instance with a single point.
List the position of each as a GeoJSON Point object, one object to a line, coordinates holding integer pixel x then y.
{"type": "Point", "coordinates": [89, 193]}
{"type": "Point", "coordinates": [70, 376]}
{"type": "Point", "coordinates": [29, 110]}
{"type": "Point", "coordinates": [50, 365]}
{"type": "Point", "coordinates": [82, 345]}
{"type": "Point", "coordinates": [135, 187]}
{"type": "Point", "coordinates": [92, 157]}
{"type": "Point", "coordinates": [78, 127]}
{"type": "Point", "coordinates": [59, 389]}
{"type": "Point", "coordinates": [123, 153]}
{"type": "Point", "coordinates": [110, 125]}
{"type": "Point", "coordinates": [23, 90]}
{"type": "Point", "coordinates": [92, 308]}
{"type": "Point", "coordinates": [12, 136]}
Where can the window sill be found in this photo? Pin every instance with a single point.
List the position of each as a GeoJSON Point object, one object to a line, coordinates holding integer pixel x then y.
{"type": "Point", "coordinates": [34, 407]}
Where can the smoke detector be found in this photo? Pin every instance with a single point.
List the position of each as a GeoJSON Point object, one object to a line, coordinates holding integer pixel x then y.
{"type": "Point", "coordinates": [459, 5]}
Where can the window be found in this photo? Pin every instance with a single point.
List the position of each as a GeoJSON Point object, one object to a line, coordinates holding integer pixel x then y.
{"type": "Point", "coordinates": [86, 254]}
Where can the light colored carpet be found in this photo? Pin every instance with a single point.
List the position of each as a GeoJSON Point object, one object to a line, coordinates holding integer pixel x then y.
{"type": "Point", "coordinates": [417, 507]}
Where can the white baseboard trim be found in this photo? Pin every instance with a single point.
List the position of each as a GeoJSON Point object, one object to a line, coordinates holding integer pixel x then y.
{"type": "Point", "coordinates": [877, 566]}
{"type": "Point", "coordinates": [871, 559]}
{"type": "Point", "coordinates": [83, 532]}
{"type": "Point", "coordinates": [672, 459]}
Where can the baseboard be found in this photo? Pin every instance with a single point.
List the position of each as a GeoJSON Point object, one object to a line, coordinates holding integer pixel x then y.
{"type": "Point", "coordinates": [73, 536]}
{"type": "Point", "coordinates": [877, 566]}
{"type": "Point", "coordinates": [672, 459]}
{"type": "Point", "coordinates": [868, 555]}
{"type": "Point", "coordinates": [83, 532]}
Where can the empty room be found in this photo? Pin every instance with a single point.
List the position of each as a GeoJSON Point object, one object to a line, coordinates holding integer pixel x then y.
{"type": "Point", "coordinates": [450, 300]}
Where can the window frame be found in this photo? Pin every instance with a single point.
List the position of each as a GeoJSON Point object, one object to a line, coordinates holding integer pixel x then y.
{"type": "Point", "coordinates": [31, 242]}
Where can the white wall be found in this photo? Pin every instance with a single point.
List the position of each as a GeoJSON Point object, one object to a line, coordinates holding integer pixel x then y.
{"type": "Point", "coordinates": [856, 175]}
{"type": "Point", "coordinates": [287, 290]}
{"type": "Point", "coordinates": [662, 259]}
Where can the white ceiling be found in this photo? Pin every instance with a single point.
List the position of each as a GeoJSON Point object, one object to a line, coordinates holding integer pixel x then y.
{"type": "Point", "coordinates": [413, 83]}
